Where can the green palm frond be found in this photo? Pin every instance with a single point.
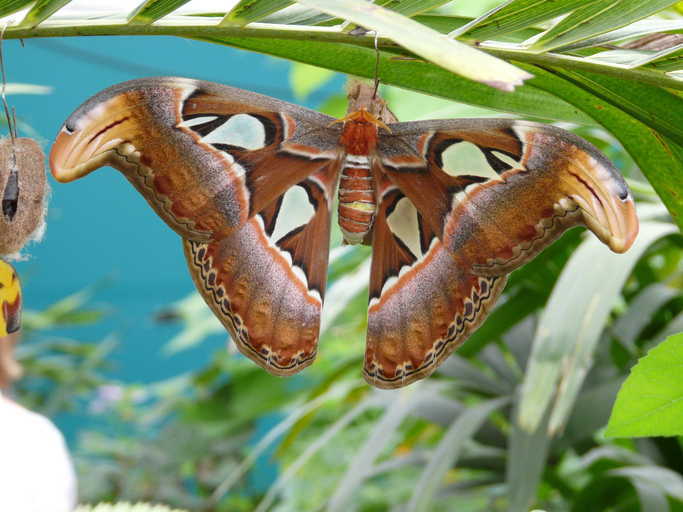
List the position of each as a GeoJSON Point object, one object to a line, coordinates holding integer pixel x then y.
{"type": "Point", "coordinates": [582, 67]}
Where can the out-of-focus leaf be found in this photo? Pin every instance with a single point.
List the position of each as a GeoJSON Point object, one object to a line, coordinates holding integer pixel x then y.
{"type": "Point", "coordinates": [305, 79]}
{"type": "Point", "coordinates": [125, 507]}
{"type": "Point", "coordinates": [642, 308]}
{"type": "Point", "coordinates": [571, 323]}
{"type": "Point", "coordinates": [247, 11]}
{"type": "Point", "coordinates": [152, 10]}
{"type": "Point", "coordinates": [16, 88]}
{"type": "Point", "coordinates": [447, 452]}
{"type": "Point", "coordinates": [447, 53]}
{"type": "Point", "coordinates": [527, 452]}
{"type": "Point", "coordinates": [381, 434]}
{"type": "Point", "coordinates": [597, 17]}
{"type": "Point", "coordinates": [273, 434]}
{"type": "Point", "coordinates": [468, 375]}
{"type": "Point", "coordinates": [664, 479]}
{"type": "Point", "coordinates": [651, 497]}
{"type": "Point", "coordinates": [312, 449]}
{"type": "Point", "coordinates": [42, 10]}
{"type": "Point", "coordinates": [650, 403]}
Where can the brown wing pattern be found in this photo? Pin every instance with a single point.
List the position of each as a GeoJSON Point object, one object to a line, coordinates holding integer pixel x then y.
{"type": "Point", "coordinates": [461, 204]}
{"type": "Point", "coordinates": [423, 302]}
{"type": "Point", "coordinates": [205, 156]}
{"type": "Point", "coordinates": [506, 189]}
{"type": "Point", "coordinates": [266, 283]}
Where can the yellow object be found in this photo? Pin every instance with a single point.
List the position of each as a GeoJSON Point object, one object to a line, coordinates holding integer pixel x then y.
{"type": "Point", "coordinates": [10, 300]}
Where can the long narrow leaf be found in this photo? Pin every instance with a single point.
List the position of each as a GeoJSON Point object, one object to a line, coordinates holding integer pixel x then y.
{"type": "Point", "coordinates": [11, 6]}
{"type": "Point", "coordinates": [415, 75]}
{"type": "Point", "coordinates": [42, 10]}
{"type": "Point", "coordinates": [447, 452]}
{"type": "Point", "coordinates": [447, 53]}
{"type": "Point", "coordinates": [152, 10]}
{"type": "Point", "coordinates": [312, 449]}
{"type": "Point", "coordinates": [361, 465]}
{"type": "Point", "coordinates": [597, 17]}
{"type": "Point", "coordinates": [247, 11]}
{"type": "Point", "coordinates": [571, 323]}
{"type": "Point", "coordinates": [514, 15]}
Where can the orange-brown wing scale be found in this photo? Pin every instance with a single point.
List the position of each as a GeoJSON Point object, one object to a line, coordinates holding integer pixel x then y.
{"type": "Point", "coordinates": [205, 156]}
{"type": "Point", "coordinates": [442, 253]}
{"type": "Point", "coordinates": [268, 289]}
{"type": "Point", "coordinates": [531, 183]}
{"type": "Point", "coordinates": [424, 303]}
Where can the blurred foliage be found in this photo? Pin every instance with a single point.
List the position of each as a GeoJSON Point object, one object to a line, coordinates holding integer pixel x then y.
{"type": "Point", "coordinates": [490, 430]}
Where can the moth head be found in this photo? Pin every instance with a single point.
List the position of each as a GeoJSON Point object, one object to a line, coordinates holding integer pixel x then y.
{"type": "Point", "coordinates": [606, 203]}
{"type": "Point", "coordinates": [92, 136]}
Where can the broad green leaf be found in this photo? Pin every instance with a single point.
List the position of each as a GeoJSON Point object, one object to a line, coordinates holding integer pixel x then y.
{"type": "Point", "coordinates": [382, 433]}
{"type": "Point", "coordinates": [445, 455]}
{"type": "Point", "coordinates": [10, 6]}
{"type": "Point", "coordinates": [152, 10]}
{"type": "Point", "coordinates": [42, 10]}
{"type": "Point", "coordinates": [650, 403]}
{"type": "Point", "coordinates": [597, 17]}
{"type": "Point", "coordinates": [447, 53]}
{"type": "Point", "coordinates": [247, 11]}
{"type": "Point", "coordinates": [415, 75]}
{"type": "Point", "coordinates": [570, 326]}
{"type": "Point", "coordinates": [515, 15]}
{"type": "Point", "coordinates": [305, 79]}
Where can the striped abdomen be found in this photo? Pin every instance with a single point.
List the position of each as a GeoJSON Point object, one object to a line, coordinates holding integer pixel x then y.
{"type": "Point", "coordinates": [356, 199]}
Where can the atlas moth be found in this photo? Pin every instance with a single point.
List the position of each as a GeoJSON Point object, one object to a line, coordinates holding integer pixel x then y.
{"type": "Point", "coordinates": [221, 166]}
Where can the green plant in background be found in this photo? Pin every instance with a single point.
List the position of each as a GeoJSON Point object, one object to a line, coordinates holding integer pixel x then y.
{"type": "Point", "coordinates": [514, 419]}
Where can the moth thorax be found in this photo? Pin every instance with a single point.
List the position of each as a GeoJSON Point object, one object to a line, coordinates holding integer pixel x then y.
{"type": "Point", "coordinates": [356, 199]}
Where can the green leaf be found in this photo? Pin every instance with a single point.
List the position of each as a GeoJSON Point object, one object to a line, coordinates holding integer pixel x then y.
{"type": "Point", "coordinates": [415, 75]}
{"type": "Point", "coordinates": [361, 465]}
{"type": "Point", "coordinates": [305, 79]}
{"type": "Point", "coordinates": [412, 7]}
{"type": "Point", "coordinates": [515, 15]}
{"type": "Point", "coordinates": [650, 402]}
{"type": "Point", "coordinates": [40, 11]}
{"type": "Point", "coordinates": [247, 11]}
{"type": "Point", "coordinates": [152, 10]}
{"type": "Point", "coordinates": [445, 455]}
{"type": "Point", "coordinates": [658, 157]}
{"type": "Point", "coordinates": [571, 324]}
{"type": "Point", "coordinates": [447, 53]}
{"type": "Point", "coordinates": [597, 17]}
{"type": "Point", "coordinates": [10, 6]}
